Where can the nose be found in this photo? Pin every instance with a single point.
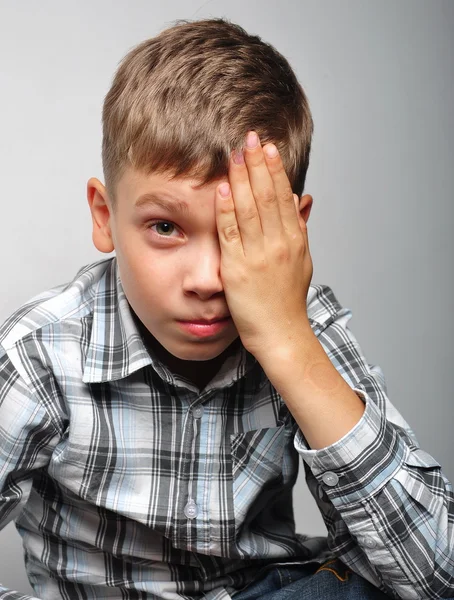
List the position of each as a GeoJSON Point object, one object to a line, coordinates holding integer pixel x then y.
{"type": "Point", "coordinates": [203, 272]}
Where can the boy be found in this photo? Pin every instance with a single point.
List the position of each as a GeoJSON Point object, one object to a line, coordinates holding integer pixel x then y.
{"type": "Point", "coordinates": [154, 410]}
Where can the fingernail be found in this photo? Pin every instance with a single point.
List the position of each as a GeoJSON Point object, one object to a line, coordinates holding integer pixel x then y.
{"type": "Point", "coordinates": [238, 157]}
{"type": "Point", "coordinates": [252, 139]}
{"type": "Point", "coordinates": [224, 189]}
{"type": "Point", "coordinates": [271, 150]}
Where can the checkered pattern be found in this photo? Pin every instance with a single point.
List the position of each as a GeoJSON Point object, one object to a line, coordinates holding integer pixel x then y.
{"type": "Point", "coordinates": [126, 481]}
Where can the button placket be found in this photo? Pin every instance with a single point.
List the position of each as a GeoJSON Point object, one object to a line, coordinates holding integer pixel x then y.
{"type": "Point", "coordinates": [197, 412]}
{"type": "Point", "coordinates": [191, 509]}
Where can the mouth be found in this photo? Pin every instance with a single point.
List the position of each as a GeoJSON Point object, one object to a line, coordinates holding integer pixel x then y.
{"type": "Point", "coordinates": [206, 321]}
{"type": "Point", "coordinates": [205, 328]}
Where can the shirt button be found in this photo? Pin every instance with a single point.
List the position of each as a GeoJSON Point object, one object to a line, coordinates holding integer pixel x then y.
{"type": "Point", "coordinates": [330, 478]}
{"type": "Point", "coordinates": [369, 542]}
{"type": "Point", "coordinates": [190, 510]}
{"type": "Point", "coordinates": [197, 412]}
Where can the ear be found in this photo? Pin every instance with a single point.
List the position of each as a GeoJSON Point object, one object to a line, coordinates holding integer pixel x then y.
{"type": "Point", "coordinates": [101, 216]}
{"type": "Point", "coordinates": [304, 205]}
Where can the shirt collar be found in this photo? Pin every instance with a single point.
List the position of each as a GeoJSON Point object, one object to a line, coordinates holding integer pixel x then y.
{"type": "Point", "coordinates": [116, 348]}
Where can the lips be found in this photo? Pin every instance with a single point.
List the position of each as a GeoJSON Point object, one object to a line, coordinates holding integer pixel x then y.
{"type": "Point", "coordinates": [206, 321]}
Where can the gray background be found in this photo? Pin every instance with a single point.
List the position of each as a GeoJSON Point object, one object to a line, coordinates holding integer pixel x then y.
{"type": "Point", "coordinates": [379, 76]}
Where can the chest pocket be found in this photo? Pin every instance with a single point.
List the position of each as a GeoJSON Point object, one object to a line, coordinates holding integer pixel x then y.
{"type": "Point", "coordinates": [258, 454]}
{"type": "Point", "coordinates": [257, 459]}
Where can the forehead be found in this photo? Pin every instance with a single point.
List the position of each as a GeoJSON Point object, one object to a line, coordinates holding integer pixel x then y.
{"type": "Point", "coordinates": [143, 195]}
{"type": "Point", "coordinates": [141, 189]}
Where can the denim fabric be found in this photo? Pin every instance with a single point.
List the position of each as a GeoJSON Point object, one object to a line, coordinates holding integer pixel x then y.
{"type": "Point", "coordinates": [332, 581]}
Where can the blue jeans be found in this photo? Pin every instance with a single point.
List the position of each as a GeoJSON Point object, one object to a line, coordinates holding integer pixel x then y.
{"type": "Point", "coordinates": [331, 581]}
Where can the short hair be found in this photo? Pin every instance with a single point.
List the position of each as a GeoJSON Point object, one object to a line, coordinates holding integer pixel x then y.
{"type": "Point", "coordinates": [182, 101]}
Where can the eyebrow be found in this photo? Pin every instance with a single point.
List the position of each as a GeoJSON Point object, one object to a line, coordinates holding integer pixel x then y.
{"type": "Point", "coordinates": [173, 206]}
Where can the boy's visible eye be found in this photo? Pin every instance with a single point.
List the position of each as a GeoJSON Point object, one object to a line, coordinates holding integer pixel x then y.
{"type": "Point", "coordinates": [166, 227]}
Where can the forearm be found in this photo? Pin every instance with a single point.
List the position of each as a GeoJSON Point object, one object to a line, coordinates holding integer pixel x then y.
{"type": "Point", "coordinates": [320, 400]}
{"type": "Point", "coordinates": [382, 497]}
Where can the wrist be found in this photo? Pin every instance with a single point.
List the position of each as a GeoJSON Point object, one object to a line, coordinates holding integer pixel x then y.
{"type": "Point", "coordinates": [281, 353]}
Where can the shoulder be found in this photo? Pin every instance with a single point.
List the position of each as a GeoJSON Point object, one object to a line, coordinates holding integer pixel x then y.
{"type": "Point", "coordinates": [73, 300]}
{"type": "Point", "coordinates": [41, 342]}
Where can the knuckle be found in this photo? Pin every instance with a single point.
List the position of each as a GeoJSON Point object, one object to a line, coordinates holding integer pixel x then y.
{"type": "Point", "coordinates": [289, 198]}
{"type": "Point", "coordinates": [231, 233]}
{"type": "Point", "coordinates": [281, 252]}
{"type": "Point", "coordinates": [266, 196]}
{"type": "Point", "coordinates": [260, 265]}
{"type": "Point", "coordinates": [249, 214]}
{"type": "Point", "coordinates": [226, 208]}
{"type": "Point", "coordinates": [235, 277]}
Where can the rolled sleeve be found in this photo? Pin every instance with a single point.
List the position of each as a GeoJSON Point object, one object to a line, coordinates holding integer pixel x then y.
{"type": "Point", "coordinates": [387, 506]}
{"type": "Point", "coordinates": [359, 464]}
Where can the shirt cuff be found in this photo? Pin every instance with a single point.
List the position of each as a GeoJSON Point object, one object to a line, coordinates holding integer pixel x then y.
{"type": "Point", "coordinates": [359, 464]}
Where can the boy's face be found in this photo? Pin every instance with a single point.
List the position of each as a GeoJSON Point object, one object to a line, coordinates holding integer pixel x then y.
{"type": "Point", "coordinates": [169, 259]}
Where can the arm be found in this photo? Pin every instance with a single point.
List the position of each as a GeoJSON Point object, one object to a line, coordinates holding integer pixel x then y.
{"type": "Point", "coordinates": [27, 438]}
{"type": "Point", "coordinates": [388, 508]}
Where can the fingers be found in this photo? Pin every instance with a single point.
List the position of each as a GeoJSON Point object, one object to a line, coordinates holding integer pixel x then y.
{"type": "Point", "coordinates": [269, 193]}
{"type": "Point", "coordinates": [283, 189]}
{"type": "Point", "coordinates": [246, 209]}
{"type": "Point", "coordinates": [260, 203]}
{"type": "Point", "coordinates": [227, 224]}
{"type": "Point", "coordinates": [262, 186]}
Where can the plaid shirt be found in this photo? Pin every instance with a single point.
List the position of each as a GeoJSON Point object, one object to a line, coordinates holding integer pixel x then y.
{"type": "Point", "coordinates": [126, 481]}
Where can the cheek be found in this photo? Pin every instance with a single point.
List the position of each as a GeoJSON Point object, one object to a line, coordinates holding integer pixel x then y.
{"type": "Point", "coordinates": [148, 276]}
{"type": "Point", "coordinates": [149, 272]}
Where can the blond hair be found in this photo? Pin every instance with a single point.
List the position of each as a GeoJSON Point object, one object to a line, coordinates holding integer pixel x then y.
{"type": "Point", "coordinates": [180, 102]}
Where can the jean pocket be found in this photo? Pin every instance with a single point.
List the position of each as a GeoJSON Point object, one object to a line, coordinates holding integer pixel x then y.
{"type": "Point", "coordinates": [337, 568]}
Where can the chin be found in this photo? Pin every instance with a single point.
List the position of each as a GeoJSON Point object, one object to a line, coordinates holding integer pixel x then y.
{"type": "Point", "coordinates": [199, 353]}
